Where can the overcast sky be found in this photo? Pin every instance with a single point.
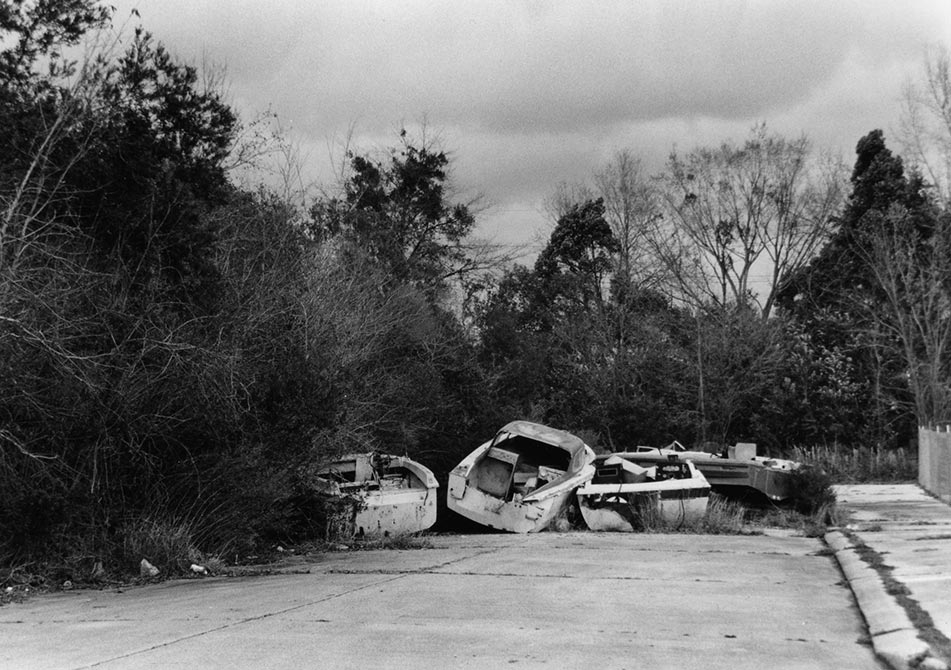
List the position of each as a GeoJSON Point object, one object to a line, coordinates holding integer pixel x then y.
{"type": "Point", "coordinates": [526, 94]}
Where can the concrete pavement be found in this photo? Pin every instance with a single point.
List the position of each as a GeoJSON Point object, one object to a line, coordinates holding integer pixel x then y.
{"type": "Point", "coordinates": [895, 552]}
{"type": "Point", "coordinates": [553, 600]}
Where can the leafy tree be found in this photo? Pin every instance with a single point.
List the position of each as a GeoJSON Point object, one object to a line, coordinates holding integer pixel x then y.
{"type": "Point", "coordinates": [837, 275]}
{"type": "Point", "coordinates": [631, 208]}
{"type": "Point", "coordinates": [158, 168]}
{"type": "Point", "coordinates": [839, 301]}
{"type": "Point", "coordinates": [737, 355]}
{"type": "Point", "coordinates": [557, 349]}
{"type": "Point", "coordinates": [577, 259]}
{"type": "Point", "coordinates": [34, 32]}
{"type": "Point", "coordinates": [396, 211]}
{"type": "Point", "coordinates": [514, 326]}
{"type": "Point", "coordinates": [108, 282]}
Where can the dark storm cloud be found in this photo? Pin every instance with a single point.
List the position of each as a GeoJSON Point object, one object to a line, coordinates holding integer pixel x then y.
{"type": "Point", "coordinates": [528, 94]}
{"type": "Point", "coordinates": [552, 67]}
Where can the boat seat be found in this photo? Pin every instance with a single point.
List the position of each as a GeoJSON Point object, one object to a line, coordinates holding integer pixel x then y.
{"type": "Point", "coordinates": [523, 478]}
{"type": "Point", "coordinates": [495, 473]}
{"type": "Point", "coordinates": [628, 473]}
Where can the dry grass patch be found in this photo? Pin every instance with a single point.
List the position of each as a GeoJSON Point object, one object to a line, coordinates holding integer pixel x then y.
{"type": "Point", "coordinates": [853, 465]}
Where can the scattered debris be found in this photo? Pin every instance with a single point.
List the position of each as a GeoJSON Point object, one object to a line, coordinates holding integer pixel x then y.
{"type": "Point", "coordinates": [97, 572]}
{"type": "Point", "coordinates": [146, 569]}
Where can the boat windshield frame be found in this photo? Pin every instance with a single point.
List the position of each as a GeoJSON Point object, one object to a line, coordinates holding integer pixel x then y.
{"type": "Point", "coordinates": [561, 439]}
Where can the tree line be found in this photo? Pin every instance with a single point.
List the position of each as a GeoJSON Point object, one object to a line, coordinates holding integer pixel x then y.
{"type": "Point", "coordinates": [178, 352]}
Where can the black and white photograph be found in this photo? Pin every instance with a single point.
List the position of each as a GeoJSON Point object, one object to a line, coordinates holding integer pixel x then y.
{"type": "Point", "coordinates": [524, 334]}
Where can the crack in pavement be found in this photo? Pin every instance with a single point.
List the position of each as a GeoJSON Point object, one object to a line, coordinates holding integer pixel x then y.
{"type": "Point", "coordinates": [429, 569]}
{"type": "Point", "coordinates": [396, 575]}
{"type": "Point", "coordinates": [520, 575]}
{"type": "Point", "coordinates": [232, 624]}
{"type": "Point", "coordinates": [620, 578]}
{"type": "Point", "coordinates": [669, 550]}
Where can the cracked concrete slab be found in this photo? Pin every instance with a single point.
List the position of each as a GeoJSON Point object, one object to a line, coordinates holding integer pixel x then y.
{"type": "Point", "coordinates": [82, 628]}
{"type": "Point", "coordinates": [549, 600]}
{"type": "Point", "coordinates": [909, 532]}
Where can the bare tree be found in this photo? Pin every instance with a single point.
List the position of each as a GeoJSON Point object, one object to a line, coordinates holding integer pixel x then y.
{"type": "Point", "coordinates": [732, 208]}
{"type": "Point", "coordinates": [35, 186]}
{"type": "Point", "coordinates": [926, 122]}
{"type": "Point", "coordinates": [564, 196]}
{"type": "Point", "coordinates": [914, 274]}
{"type": "Point", "coordinates": [632, 205]}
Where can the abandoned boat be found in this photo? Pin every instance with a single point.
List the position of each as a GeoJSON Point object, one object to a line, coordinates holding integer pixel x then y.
{"type": "Point", "coordinates": [624, 496]}
{"type": "Point", "coordinates": [740, 473]}
{"type": "Point", "coordinates": [391, 495]}
{"type": "Point", "coordinates": [521, 479]}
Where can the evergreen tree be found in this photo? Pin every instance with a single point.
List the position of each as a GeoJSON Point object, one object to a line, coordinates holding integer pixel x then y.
{"type": "Point", "coordinates": [837, 301]}
{"type": "Point", "coordinates": [397, 212]}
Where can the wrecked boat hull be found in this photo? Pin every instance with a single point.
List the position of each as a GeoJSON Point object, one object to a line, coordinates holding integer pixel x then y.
{"type": "Point", "coordinates": [521, 480]}
{"type": "Point", "coordinates": [628, 506]}
{"type": "Point", "coordinates": [387, 514]}
{"type": "Point", "coordinates": [514, 517]}
{"type": "Point", "coordinates": [738, 476]}
{"type": "Point", "coordinates": [391, 495]}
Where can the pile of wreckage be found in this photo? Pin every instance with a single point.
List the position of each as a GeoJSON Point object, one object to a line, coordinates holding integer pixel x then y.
{"type": "Point", "coordinates": [526, 475]}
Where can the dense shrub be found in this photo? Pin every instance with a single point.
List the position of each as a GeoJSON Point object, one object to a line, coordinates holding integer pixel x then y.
{"type": "Point", "coordinates": [811, 490]}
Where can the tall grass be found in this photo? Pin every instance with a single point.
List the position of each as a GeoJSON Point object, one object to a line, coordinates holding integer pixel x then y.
{"type": "Point", "coordinates": [853, 465]}
{"type": "Point", "coordinates": [169, 543]}
{"type": "Point", "coordinates": [723, 517]}
{"type": "Point", "coordinates": [811, 511]}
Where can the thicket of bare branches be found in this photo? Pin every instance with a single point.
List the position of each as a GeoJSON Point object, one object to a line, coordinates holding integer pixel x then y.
{"type": "Point", "coordinates": [735, 211]}
{"type": "Point", "coordinates": [913, 273]}
{"type": "Point", "coordinates": [926, 122]}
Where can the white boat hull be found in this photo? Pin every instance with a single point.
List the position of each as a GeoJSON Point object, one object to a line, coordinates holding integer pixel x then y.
{"type": "Point", "coordinates": [513, 516]}
{"type": "Point", "coordinates": [390, 495]}
{"type": "Point", "coordinates": [625, 513]}
{"type": "Point", "coordinates": [522, 479]}
{"type": "Point", "coordinates": [627, 507]}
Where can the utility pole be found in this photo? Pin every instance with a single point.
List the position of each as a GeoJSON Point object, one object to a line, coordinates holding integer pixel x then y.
{"type": "Point", "coordinates": [703, 411]}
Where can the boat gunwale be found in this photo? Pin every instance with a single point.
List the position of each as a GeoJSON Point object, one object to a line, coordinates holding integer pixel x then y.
{"type": "Point", "coordinates": [421, 472]}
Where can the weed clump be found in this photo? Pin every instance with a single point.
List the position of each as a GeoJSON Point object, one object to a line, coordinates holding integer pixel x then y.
{"type": "Point", "coordinates": [811, 489]}
{"type": "Point", "coordinates": [169, 543]}
{"type": "Point", "coordinates": [724, 517]}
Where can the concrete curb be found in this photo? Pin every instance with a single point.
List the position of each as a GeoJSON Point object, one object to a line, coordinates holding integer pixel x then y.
{"type": "Point", "coordinates": [894, 637]}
